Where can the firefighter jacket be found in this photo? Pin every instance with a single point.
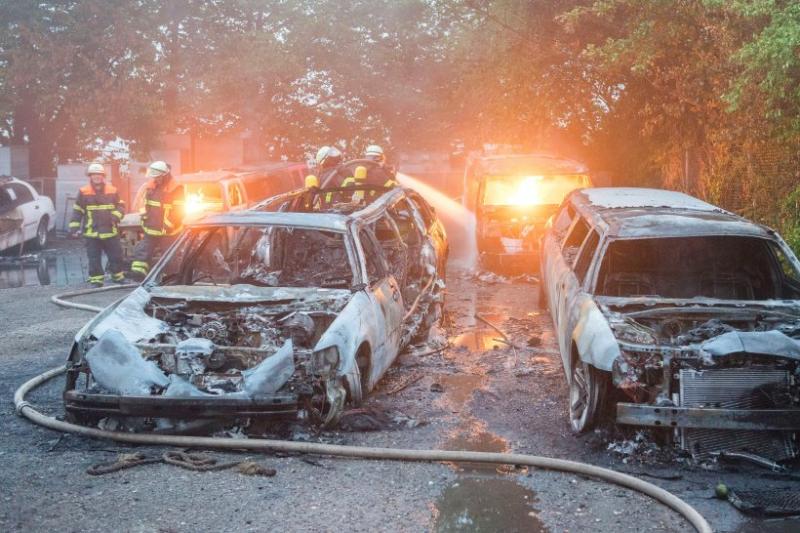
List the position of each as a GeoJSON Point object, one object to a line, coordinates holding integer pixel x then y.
{"type": "Point", "coordinates": [163, 209]}
{"type": "Point", "coordinates": [98, 210]}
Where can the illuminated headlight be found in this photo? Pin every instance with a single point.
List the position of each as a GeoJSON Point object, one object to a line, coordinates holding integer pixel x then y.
{"type": "Point", "coordinates": [325, 361]}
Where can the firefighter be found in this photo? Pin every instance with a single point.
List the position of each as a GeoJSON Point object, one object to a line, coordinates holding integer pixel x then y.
{"type": "Point", "coordinates": [328, 160]}
{"type": "Point", "coordinates": [96, 215]}
{"type": "Point", "coordinates": [162, 219]}
{"type": "Point", "coordinates": [375, 153]}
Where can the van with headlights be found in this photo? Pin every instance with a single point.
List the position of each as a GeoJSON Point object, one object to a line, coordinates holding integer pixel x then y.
{"type": "Point", "coordinates": [513, 197]}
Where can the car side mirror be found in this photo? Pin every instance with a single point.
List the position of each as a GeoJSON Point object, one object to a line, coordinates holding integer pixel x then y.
{"type": "Point", "coordinates": [357, 287]}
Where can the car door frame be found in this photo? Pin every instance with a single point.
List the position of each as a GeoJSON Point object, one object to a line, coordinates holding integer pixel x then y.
{"type": "Point", "coordinates": [568, 291]}
{"type": "Point", "coordinates": [386, 302]}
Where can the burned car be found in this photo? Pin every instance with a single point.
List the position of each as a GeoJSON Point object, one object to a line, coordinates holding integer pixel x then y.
{"type": "Point", "coordinates": [687, 314]}
{"type": "Point", "coordinates": [259, 314]}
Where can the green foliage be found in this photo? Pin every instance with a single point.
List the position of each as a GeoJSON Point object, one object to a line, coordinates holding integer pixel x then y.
{"type": "Point", "coordinates": [790, 227]}
{"type": "Point", "coordinates": [699, 95]}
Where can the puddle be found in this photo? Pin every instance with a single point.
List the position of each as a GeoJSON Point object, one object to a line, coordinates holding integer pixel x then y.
{"type": "Point", "coordinates": [471, 436]}
{"type": "Point", "coordinates": [459, 388]}
{"type": "Point", "coordinates": [477, 340]}
{"type": "Point", "coordinates": [478, 504]}
{"type": "Point", "coordinates": [43, 269]}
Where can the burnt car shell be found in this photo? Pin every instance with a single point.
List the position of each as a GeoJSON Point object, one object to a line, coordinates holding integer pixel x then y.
{"type": "Point", "coordinates": [343, 331]}
{"type": "Point", "coordinates": [690, 312]}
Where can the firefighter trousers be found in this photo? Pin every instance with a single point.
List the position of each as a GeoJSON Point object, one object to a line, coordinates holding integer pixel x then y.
{"type": "Point", "coordinates": [146, 250]}
{"type": "Point", "coordinates": [95, 248]}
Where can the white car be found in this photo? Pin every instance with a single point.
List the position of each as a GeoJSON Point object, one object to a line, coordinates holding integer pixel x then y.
{"type": "Point", "coordinates": [24, 214]}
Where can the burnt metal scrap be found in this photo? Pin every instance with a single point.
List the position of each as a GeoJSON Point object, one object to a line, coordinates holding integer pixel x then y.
{"type": "Point", "coordinates": [258, 314]}
{"type": "Point", "coordinates": [691, 313]}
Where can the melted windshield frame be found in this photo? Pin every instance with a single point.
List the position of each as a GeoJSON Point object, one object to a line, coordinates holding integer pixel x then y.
{"type": "Point", "coordinates": [781, 279]}
{"type": "Point", "coordinates": [180, 263]}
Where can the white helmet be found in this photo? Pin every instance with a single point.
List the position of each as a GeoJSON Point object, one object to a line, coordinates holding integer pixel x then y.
{"type": "Point", "coordinates": [328, 156]}
{"type": "Point", "coordinates": [96, 168]}
{"type": "Point", "coordinates": [158, 169]}
{"type": "Point", "coordinates": [375, 153]}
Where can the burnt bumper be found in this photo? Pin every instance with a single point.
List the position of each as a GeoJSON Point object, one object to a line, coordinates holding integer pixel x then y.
{"type": "Point", "coordinates": [284, 406]}
{"type": "Point", "coordinates": [787, 419]}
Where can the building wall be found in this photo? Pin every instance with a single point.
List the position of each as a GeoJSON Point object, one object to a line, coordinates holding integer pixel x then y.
{"type": "Point", "coordinates": [14, 162]}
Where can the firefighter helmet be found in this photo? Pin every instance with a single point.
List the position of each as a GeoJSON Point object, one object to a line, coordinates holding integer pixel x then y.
{"type": "Point", "coordinates": [158, 169]}
{"type": "Point", "coordinates": [96, 168]}
{"type": "Point", "coordinates": [328, 156]}
{"type": "Point", "coordinates": [375, 153]}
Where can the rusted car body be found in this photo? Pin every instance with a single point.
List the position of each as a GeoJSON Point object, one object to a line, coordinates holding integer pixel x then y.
{"type": "Point", "coordinates": [687, 313]}
{"type": "Point", "coordinates": [263, 313]}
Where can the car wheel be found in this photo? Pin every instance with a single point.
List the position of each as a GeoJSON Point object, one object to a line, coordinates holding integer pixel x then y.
{"type": "Point", "coordinates": [42, 234]}
{"type": "Point", "coordinates": [588, 391]}
{"type": "Point", "coordinates": [327, 404]}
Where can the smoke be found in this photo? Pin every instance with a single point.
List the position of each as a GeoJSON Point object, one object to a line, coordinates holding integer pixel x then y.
{"type": "Point", "coordinates": [459, 221]}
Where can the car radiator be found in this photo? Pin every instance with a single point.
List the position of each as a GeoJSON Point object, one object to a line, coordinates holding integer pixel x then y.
{"type": "Point", "coordinates": [736, 388]}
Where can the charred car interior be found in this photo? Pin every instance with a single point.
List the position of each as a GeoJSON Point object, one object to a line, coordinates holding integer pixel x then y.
{"type": "Point", "coordinates": [288, 311]}
{"type": "Point", "coordinates": [686, 316]}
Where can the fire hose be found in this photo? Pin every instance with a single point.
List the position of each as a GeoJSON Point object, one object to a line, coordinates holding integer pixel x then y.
{"type": "Point", "coordinates": [27, 410]}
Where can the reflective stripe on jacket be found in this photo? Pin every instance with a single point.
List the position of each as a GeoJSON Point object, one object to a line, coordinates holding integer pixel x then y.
{"type": "Point", "coordinates": [163, 209]}
{"type": "Point", "coordinates": [98, 210]}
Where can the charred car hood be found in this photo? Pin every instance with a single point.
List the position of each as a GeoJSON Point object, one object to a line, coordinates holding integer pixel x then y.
{"type": "Point", "coordinates": [753, 342]}
{"type": "Point", "coordinates": [713, 328]}
{"type": "Point", "coordinates": [247, 294]}
{"type": "Point", "coordinates": [128, 315]}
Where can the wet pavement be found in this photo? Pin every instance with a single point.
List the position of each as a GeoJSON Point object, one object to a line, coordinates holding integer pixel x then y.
{"type": "Point", "coordinates": [62, 264]}
{"type": "Point", "coordinates": [478, 394]}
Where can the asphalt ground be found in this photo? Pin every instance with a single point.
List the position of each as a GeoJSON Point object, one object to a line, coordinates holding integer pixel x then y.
{"type": "Point", "coordinates": [478, 394]}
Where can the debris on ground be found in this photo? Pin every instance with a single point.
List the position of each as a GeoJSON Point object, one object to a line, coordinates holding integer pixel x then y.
{"type": "Point", "coordinates": [405, 382]}
{"type": "Point", "coordinates": [490, 277]}
{"type": "Point", "coordinates": [199, 462]}
{"type": "Point", "coordinates": [640, 448]}
{"type": "Point", "coordinates": [370, 419]}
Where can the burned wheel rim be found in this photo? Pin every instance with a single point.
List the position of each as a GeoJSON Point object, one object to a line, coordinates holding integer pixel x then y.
{"type": "Point", "coordinates": [326, 405]}
{"type": "Point", "coordinates": [586, 390]}
{"type": "Point", "coordinates": [579, 397]}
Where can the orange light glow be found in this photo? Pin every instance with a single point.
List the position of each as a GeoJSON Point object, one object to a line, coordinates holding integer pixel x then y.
{"type": "Point", "coordinates": [197, 205]}
{"type": "Point", "coordinates": [529, 190]}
